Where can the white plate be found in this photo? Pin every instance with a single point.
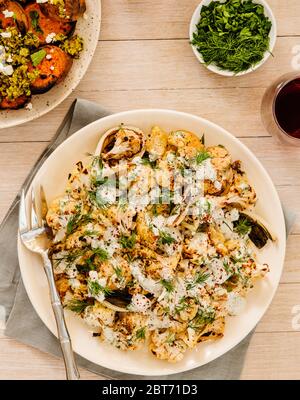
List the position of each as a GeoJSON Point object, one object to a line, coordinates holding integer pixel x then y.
{"type": "Point", "coordinates": [88, 28]}
{"type": "Point", "coordinates": [53, 175]}
{"type": "Point", "coordinates": [273, 33]}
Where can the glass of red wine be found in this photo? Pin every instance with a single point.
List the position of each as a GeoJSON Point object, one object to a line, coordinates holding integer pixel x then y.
{"type": "Point", "coordinates": [281, 109]}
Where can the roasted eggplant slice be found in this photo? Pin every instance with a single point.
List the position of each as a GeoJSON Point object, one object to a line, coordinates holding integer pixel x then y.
{"type": "Point", "coordinates": [52, 69]}
{"type": "Point", "coordinates": [18, 19]}
{"type": "Point", "coordinates": [44, 27]}
{"type": "Point", "coordinates": [258, 229]}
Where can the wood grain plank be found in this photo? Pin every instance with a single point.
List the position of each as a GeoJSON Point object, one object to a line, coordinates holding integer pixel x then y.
{"type": "Point", "coordinates": [282, 162]}
{"type": "Point", "coordinates": [279, 316]}
{"type": "Point", "coordinates": [177, 81]}
{"type": "Point", "coordinates": [15, 163]}
{"type": "Point", "coordinates": [142, 19]}
{"type": "Point", "coordinates": [171, 64]}
{"type": "Point", "coordinates": [200, 102]}
{"type": "Point", "coordinates": [291, 270]}
{"type": "Point", "coordinates": [269, 356]}
{"type": "Point", "coordinates": [14, 363]}
{"type": "Point", "coordinates": [273, 356]}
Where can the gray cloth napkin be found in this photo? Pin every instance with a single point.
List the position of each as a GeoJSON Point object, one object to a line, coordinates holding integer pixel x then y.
{"type": "Point", "coordinates": [22, 322]}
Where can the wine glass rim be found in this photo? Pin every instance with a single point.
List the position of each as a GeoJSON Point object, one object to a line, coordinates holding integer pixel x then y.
{"type": "Point", "coordinates": [278, 90]}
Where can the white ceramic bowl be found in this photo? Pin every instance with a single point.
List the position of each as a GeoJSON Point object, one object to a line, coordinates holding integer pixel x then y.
{"type": "Point", "coordinates": [53, 175]}
{"type": "Point", "coordinates": [273, 34]}
{"type": "Point", "coordinates": [88, 27]}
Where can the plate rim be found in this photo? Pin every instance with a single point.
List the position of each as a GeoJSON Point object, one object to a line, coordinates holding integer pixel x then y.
{"type": "Point", "coordinates": [271, 185]}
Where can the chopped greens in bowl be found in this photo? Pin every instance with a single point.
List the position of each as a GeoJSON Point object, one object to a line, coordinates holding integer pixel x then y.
{"type": "Point", "coordinates": [233, 37]}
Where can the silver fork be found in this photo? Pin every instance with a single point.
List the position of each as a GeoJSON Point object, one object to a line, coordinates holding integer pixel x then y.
{"type": "Point", "coordinates": [33, 235]}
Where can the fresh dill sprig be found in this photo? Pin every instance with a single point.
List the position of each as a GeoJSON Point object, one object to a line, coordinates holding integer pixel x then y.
{"type": "Point", "coordinates": [200, 278]}
{"type": "Point", "coordinates": [237, 260]}
{"type": "Point", "coordinates": [77, 306]}
{"type": "Point", "coordinates": [165, 238]}
{"type": "Point", "coordinates": [243, 227]}
{"type": "Point", "coordinates": [95, 288]}
{"type": "Point", "coordinates": [227, 267]}
{"type": "Point", "coordinates": [68, 258]}
{"type": "Point", "coordinates": [102, 254]}
{"type": "Point", "coordinates": [168, 285]}
{"type": "Point", "coordinates": [119, 273]}
{"type": "Point", "coordinates": [77, 220]}
{"type": "Point", "coordinates": [182, 305]}
{"type": "Point", "coordinates": [141, 333]}
{"type": "Point", "coordinates": [98, 181]}
{"type": "Point", "coordinates": [96, 160]}
{"type": "Point", "coordinates": [201, 157]}
{"type": "Point", "coordinates": [96, 200]}
{"type": "Point", "coordinates": [128, 242]}
{"type": "Point", "coordinates": [203, 318]}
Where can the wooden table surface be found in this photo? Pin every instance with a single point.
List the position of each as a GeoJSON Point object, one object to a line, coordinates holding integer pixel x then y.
{"type": "Point", "coordinates": [144, 60]}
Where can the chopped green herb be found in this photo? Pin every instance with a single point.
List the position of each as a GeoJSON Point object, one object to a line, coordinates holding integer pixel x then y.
{"type": "Point", "coordinates": [38, 57]}
{"type": "Point", "coordinates": [77, 220]}
{"type": "Point", "coordinates": [96, 160]}
{"type": "Point", "coordinates": [228, 226]}
{"type": "Point", "coordinates": [118, 272]}
{"type": "Point", "coordinates": [128, 242]}
{"type": "Point", "coordinates": [95, 288]}
{"type": "Point", "coordinates": [237, 260]}
{"type": "Point", "coordinates": [165, 238]}
{"type": "Point", "coordinates": [97, 200]}
{"type": "Point", "coordinates": [77, 306]}
{"type": "Point", "coordinates": [227, 267]}
{"type": "Point", "coordinates": [101, 254]}
{"type": "Point", "coordinates": [203, 318]}
{"type": "Point", "coordinates": [154, 210]}
{"type": "Point", "coordinates": [242, 227]}
{"type": "Point", "coordinates": [200, 278]}
{"type": "Point", "coordinates": [233, 35]}
{"type": "Point", "coordinates": [35, 17]}
{"type": "Point", "coordinates": [98, 181]}
{"type": "Point", "coordinates": [168, 285]}
{"type": "Point", "coordinates": [182, 305]}
{"type": "Point", "coordinates": [207, 206]}
{"type": "Point", "coordinates": [141, 333]}
{"type": "Point", "coordinates": [68, 258]}
{"type": "Point", "coordinates": [130, 284]}
{"type": "Point", "coordinates": [202, 156]}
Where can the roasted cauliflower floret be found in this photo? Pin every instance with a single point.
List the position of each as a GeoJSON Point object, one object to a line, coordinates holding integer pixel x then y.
{"type": "Point", "coordinates": [156, 143]}
{"type": "Point", "coordinates": [98, 315]}
{"type": "Point", "coordinates": [165, 346]}
{"type": "Point", "coordinates": [186, 143]}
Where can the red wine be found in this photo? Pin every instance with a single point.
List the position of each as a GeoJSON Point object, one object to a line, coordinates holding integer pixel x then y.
{"type": "Point", "coordinates": [287, 108]}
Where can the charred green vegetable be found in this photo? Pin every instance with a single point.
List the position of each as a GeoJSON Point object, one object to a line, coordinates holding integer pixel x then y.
{"type": "Point", "coordinates": [256, 228]}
